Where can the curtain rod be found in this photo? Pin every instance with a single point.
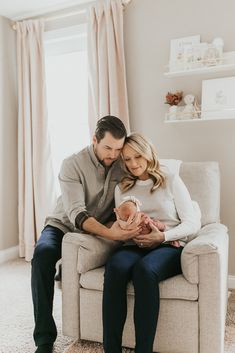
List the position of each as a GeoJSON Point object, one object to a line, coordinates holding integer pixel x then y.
{"type": "Point", "coordinates": [72, 13]}
{"type": "Point", "coordinates": [57, 17]}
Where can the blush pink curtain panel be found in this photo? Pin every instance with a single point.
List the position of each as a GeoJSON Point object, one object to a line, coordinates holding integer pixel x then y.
{"type": "Point", "coordinates": [36, 187]}
{"type": "Point", "coordinates": [106, 60]}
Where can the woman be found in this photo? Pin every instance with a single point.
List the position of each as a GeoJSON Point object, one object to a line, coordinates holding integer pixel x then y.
{"type": "Point", "coordinates": [150, 258]}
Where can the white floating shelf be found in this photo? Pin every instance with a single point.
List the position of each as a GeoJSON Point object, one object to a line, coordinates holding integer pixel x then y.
{"type": "Point", "coordinates": [228, 65]}
{"type": "Point", "coordinates": [196, 120]}
{"type": "Point", "coordinates": [201, 70]}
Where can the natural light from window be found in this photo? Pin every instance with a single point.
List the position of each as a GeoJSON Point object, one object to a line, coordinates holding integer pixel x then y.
{"type": "Point", "coordinates": [67, 99]}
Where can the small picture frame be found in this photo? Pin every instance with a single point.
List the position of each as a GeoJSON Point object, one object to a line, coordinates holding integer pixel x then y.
{"type": "Point", "coordinates": [181, 52]}
{"type": "Point", "coordinates": [199, 51]}
{"type": "Point", "coordinates": [218, 98]}
{"type": "Point", "coordinates": [213, 55]}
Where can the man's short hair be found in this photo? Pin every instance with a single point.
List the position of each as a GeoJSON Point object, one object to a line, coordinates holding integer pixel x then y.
{"type": "Point", "coordinates": [110, 124]}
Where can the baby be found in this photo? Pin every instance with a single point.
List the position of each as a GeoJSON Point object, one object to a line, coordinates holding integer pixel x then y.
{"type": "Point", "coordinates": [128, 213]}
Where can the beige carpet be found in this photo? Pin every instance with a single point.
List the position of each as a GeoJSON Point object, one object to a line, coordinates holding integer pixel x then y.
{"type": "Point", "coordinates": [16, 310]}
{"type": "Point", "coordinates": [16, 316]}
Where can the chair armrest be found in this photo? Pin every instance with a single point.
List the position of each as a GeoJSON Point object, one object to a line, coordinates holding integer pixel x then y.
{"type": "Point", "coordinates": [205, 262]}
{"type": "Point", "coordinates": [70, 287]}
{"type": "Point", "coordinates": [212, 238]}
{"type": "Point", "coordinates": [80, 253]}
{"type": "Point", "coordinates": [93, 251]}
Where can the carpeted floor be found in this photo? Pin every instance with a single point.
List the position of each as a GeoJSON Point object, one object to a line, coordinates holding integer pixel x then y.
{"type": "Point", "coordinates": [16, 310]}
{"type": "Point", "coordinates": [16, 316]}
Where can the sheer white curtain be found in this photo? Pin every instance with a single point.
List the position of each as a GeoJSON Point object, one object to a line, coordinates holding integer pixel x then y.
{"type": "Point", "coordinates": [36, 187]}
{"type": "Point", "coordinates": [106, 62]}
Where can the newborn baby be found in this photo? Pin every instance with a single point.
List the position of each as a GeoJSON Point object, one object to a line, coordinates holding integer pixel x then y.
{"type": "Point", "coordinates": [128, 215]}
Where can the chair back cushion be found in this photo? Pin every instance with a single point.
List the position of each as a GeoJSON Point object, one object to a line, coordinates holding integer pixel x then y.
{"type": "Point", "coordinates": [203, 182]}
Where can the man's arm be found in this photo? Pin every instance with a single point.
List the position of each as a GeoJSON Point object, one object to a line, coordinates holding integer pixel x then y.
{"type": "Point", "coordinates": [72, 192]}
{"type": "Point", "coordinates": [91, 225]}
{"type": "Point", "coordinates": [74, 204]}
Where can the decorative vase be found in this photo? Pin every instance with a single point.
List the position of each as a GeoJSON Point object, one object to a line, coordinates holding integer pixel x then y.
{"type": "Point", "coordinates": [172, 112]}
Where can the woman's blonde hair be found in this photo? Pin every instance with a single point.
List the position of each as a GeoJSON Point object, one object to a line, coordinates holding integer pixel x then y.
{"type": "Point", "coordinates": [146, 149]}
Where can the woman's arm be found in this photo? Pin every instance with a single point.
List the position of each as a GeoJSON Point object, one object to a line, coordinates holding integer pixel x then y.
{"type": "Point", "coordinates": [189, 216]}
{"type": "Point", "coordinates": [190, 219]}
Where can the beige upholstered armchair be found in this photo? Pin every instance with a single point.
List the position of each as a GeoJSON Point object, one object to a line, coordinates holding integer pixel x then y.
{"type": "Point", "coordinates": [193, 305]}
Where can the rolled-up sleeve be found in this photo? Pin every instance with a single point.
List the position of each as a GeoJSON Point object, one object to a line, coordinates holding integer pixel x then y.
{"type": "Point", "coordinates": [188, 212]}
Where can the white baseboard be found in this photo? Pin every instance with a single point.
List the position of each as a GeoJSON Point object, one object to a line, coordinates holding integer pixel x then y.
{"type": "Point", "coordinates": [9, 254]}
{"type": "Point", "coordinates": [231, 282]}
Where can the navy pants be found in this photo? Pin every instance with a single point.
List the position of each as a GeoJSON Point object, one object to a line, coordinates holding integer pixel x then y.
{"type": "Point", "coordinates": [146, 268]}
{"type": "Point", "coordinates": [47, 252]}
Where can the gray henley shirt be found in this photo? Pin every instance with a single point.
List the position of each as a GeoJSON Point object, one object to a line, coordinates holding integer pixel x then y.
{"type": "Point", "coordinates": [86, 189]}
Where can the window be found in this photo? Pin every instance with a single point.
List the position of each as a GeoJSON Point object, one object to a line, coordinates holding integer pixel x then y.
{"type": "Point", "coordinates": [67, 93]}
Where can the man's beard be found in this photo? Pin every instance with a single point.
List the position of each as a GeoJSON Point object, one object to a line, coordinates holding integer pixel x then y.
{"type": "Point", "coordinates": [102, 161]}
{"type": "Point", "coordinates": [109, 164]}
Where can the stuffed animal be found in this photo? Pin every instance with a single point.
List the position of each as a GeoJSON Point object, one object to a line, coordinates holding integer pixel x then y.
{"type": "Point", "coordinates": [191, 110]}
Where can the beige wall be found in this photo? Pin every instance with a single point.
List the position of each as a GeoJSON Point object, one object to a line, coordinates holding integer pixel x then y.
{"type": "Point", "coordinates": [8, 137]}
{"type": "Point", "coordinates": [149, 27]}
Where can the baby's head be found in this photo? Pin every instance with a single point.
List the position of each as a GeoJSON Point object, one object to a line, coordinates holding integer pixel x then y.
{"type": "Point", "coordinates": [125, 210]}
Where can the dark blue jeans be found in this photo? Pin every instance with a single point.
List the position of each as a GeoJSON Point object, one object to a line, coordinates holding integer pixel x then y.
{"type": "Point", "coordinates": [47, 252]}
{"type": "Point", "coordinates": [146, 268]}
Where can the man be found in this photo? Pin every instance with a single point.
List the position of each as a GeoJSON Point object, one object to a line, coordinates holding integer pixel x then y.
{"type": "Point", "coordinates": [87, 181]}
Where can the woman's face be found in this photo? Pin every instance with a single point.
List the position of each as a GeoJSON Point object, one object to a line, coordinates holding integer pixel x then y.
{"type": "Point", "coordinates": [135, 163]}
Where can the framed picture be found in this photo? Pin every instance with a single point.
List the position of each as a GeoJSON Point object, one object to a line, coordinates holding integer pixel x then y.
{"type": "Point", "coordinates": [218, 98]}
{"type": "Point", "coordinates": [213, 55]}
{"type": "Point", "coordinates": [181, 51]}
{"type": "Point", "coordinates": [199, 51]}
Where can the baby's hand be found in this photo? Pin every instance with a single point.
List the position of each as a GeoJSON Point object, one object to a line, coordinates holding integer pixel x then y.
{"type": "Point", "coordinates": [175, 243]}
{"type": "Point", "coordinates": [145, 219]}
{"type": "Point", "coordinates": [134, 219]}
{"type": "Point", "coordinates": [161, 226]}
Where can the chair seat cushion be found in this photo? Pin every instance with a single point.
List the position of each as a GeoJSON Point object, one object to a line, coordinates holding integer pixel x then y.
{"type": "Point", "coordinates": [173, 288]}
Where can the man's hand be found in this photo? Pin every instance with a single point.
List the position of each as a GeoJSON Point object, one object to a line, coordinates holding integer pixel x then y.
{"type": "Point", "coordinates": [151, 240]}
{"type": "Point", "coordinates": [117, 233]}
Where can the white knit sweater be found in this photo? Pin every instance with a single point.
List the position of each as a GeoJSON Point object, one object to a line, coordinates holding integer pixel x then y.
{"type": "Point", "coordinates": [172, 205]}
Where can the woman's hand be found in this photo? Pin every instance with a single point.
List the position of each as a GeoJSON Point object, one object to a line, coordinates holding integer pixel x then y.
{"type": "Point", "coordinates": [151, 240]}
{"type": "Point", "coordinates": [117, 233]}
